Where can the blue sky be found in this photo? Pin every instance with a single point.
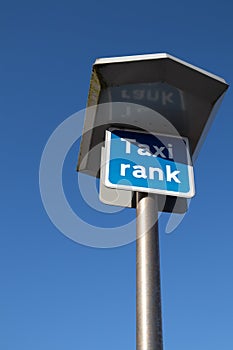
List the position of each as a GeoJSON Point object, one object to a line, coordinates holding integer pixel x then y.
{"type": "Point", "coordinates": [55, 293]}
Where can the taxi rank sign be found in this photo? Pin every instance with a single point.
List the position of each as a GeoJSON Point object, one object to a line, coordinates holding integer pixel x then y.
{"type": "Point", "coordinates": [142, 162]}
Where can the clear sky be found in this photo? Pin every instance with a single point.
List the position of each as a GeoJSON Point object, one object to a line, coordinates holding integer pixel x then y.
{"type": "Point", "coordinates": [58, 294]}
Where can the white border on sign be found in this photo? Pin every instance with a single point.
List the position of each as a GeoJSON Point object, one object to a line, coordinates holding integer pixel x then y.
{"type": "Point", "coordinates": [107, 183]}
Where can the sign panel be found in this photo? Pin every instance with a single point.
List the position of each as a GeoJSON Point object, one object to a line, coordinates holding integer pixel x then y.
{"type": "Point", "coordinates": [155, 163]}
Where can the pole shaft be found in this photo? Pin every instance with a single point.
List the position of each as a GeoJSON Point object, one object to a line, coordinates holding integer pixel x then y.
{"type": "Point", "coordinates": [148, 309]}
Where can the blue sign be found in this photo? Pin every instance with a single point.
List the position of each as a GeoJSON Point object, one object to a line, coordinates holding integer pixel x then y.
{"type": "Point", "coordinates": [138, 161]}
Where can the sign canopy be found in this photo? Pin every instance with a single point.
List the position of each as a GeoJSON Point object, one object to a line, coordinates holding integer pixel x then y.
{"type": "Point", "coordinates": [155, 93]}
{"type": "Point", "coordinates": [185, 95]}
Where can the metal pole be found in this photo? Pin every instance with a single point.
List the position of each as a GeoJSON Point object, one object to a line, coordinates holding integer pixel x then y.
{"type": "Point", "coordinates": [149, 320]}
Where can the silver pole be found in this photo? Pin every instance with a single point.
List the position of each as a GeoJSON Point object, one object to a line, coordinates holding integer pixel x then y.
{"type": "Point", "coordinates": [149, 320]}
